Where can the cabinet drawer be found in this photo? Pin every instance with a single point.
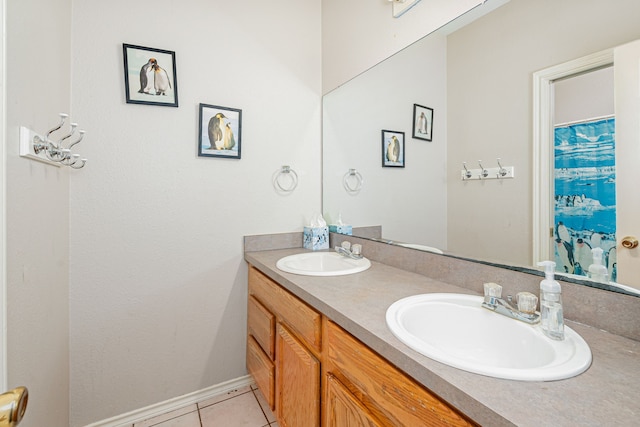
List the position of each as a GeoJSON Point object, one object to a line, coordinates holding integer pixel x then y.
{"type": "Point", "coordinates": [301, 318]}
{"type": "Point", "coordinates": [262, 370]}
{"type": "Point", "coordinates": [261, 325]}
{"type": "Point", "coordinates": [386, 391]}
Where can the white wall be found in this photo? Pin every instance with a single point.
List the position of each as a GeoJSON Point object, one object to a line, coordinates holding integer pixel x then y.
{"type": "Point", "coordinates": [490, 66]}
{"type": "Point", "coordinates": [157, 276]}
{"type": "Point", "coordinates": [353, 118]}
{"type": "Point", "coordinates": [37, 216]}
{"type": "Point", "coordinates": [358, 34]}
{"type": "Point", "coordinates": [582, 97]}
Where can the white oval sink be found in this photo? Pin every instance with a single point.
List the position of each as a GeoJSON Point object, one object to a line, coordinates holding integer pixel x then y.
{"type": "Point", "coordinates": [455, 330]}
{"type": "Point", "coordinates": [322, 264]}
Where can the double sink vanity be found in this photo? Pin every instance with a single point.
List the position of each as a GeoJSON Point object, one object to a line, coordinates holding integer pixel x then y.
{"type": "Point", "coordinates": [390, 344]}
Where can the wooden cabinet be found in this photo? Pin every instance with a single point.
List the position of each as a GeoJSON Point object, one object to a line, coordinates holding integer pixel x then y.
{"type": "Point", "coordinates": [283, 351]}
{"type": "Point", "coordinates": [343, 409]}
{"type": "Point", "coordinates": [311, 371]}
{"type": "Point", "coordinates": [388, 394]}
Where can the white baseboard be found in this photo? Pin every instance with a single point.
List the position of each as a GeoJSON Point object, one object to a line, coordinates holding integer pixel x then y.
{"type": "Point", "coordinates": [126, 420]}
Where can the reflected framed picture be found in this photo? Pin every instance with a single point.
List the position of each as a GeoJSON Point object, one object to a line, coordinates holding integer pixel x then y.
{"type": "Point", "coordinates": [422, 122]}
{"type": "Point", "coordinates": [393, 153]}
{"type": "Point", "coordinates": [150, 76]}
{"type": "Point", "coordinates": [220, 132]}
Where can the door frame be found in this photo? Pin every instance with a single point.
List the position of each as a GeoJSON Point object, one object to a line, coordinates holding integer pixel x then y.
{"type": "Point", "coordinates": [3, 202]}
{"type": "Point", "coordinates": [543, 143]}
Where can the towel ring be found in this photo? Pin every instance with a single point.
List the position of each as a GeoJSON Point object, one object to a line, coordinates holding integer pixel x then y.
{"type": "Point", "coordinates": [352, 175]}
{"type": "Point", "coordinates": [292, 177]}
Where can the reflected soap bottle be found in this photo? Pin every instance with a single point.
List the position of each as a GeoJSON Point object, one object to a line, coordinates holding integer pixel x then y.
{"type": "Point", "coordinates": [551, 313]}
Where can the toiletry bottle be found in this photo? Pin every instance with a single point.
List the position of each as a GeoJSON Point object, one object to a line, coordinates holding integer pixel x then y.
{"type": "Point", "coordinates": [551, 315]}
{"type": "Point", "coordinates": [597, 271]}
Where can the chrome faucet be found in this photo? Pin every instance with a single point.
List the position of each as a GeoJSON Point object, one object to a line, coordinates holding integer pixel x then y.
{"type": "Point", "coordinates": [354, 252]}
{"type": "Point", "coordinates": [526, 304]}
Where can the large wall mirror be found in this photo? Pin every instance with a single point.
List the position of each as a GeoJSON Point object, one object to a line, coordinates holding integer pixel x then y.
{"type": "Point", "coordinates": [476, 74]}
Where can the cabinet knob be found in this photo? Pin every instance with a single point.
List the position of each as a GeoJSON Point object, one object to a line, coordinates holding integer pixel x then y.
{"type": "Point", "coordinates": [630, 242]}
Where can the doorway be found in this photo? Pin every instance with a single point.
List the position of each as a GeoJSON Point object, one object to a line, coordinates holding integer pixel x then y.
{"type": "Point", "coordinates": [627, 154]}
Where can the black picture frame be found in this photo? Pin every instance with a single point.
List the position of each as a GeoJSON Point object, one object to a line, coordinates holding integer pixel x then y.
{"type": "Point", "coordinates": [393, 149]}
{"type": "Point", "coordinates": [422, 122]}
{"type": "Point", "coordinates": [150, 76]}
{"type": "Point", "coordinates": [220, 132]}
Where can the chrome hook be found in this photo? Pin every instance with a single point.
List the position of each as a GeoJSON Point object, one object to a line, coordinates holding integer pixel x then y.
{"type": "Point", "coordinates": [73, 130]}
{"type": "Point", "coordinates": [63, 117]}
{"type": "Point", "coordinates": [75, 165]}
{"type": "Point", "coordinates": [467, 173]}
{"type": "Point", "coordinates": [483, 172]}
{"type": "Point", "coordinates": [81, 132]}
{"type": "Point", "coordinates": [502, 171]}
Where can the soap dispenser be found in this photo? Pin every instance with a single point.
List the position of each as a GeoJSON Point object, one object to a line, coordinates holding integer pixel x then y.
{"type": "Point", "coordinates": [551, 315]}
{"type": "Point", "coordinates": [597, 271]}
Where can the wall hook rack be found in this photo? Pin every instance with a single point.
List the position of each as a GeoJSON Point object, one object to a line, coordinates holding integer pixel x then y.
{"type": "Point", "coordinates": [43, 149]}
{"type": "Point", "coordinates": [499, 172]}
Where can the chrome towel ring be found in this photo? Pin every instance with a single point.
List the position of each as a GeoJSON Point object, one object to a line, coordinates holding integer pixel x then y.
{"type": "Point", "coordinates": [285, 180]}
{"type": "Point", "coordinates": [352, 181]}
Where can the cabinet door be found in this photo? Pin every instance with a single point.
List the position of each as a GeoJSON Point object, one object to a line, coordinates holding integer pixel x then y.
{"type": "Point", "coordinates": [342, 409]}
{"type": "Point", "coordinates": [297, 382]}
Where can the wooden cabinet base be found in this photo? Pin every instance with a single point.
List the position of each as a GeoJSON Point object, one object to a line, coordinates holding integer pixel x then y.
{"type": "Point", "coordinates": [296, 356]}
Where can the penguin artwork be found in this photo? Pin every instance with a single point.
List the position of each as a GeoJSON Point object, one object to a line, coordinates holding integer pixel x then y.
{"type": "Point", "coordinates": [216, 131]}
{"type": "Point", "coordinates": [562, 232]}
{"type": "Point", "coordinates": [565, 254]}
{"type": "Point", "coordinates": [393, 149]}
{"type": "Point", "coordinates": [228, 141]}
{"type": "Point", "coordinates": [161, 80]}
{"type": "Point", "coordinates": [612, 261]}
{"type": "Point", "coordinates": [146, 76]}
{"type": "Point", "coordinates": [582, 255]}
{"type": "Point", "coordinates": [422, 123]}
{"type": "Point", "coordinates": [596, 240]}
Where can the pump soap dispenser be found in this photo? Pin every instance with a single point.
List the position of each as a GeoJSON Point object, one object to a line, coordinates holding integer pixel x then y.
{"type": "Point", "coordinates": [597, 271]}
{"type": "Point", "coordinates": [551, 315]}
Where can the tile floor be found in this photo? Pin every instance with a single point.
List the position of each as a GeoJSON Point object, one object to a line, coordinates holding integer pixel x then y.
{"type": "Point", "coordinates": [244, 407]}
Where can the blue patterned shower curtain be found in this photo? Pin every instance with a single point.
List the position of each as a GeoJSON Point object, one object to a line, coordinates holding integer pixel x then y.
{"type": "Point", "coordinates": [585, 195]}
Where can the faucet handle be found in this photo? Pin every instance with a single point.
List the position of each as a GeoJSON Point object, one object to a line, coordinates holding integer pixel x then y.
{"type": "Point", "coordinates": [356, 249]}
{"type": "Point", "coordinates": [346, 245]}
{"type": "Point", "coordinates": [527, 302]}
{"type": "Point", "coordinates": [492, 290]}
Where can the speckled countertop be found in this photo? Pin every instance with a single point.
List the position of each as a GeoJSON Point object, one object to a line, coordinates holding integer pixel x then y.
{"type": "Point", "coordinates": [607, 394]}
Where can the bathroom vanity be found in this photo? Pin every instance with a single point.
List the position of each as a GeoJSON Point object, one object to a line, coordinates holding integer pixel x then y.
{"type": "Point", "coordinates": [317, 367]}
{"type": "Point", "coordinates": [321, 353]}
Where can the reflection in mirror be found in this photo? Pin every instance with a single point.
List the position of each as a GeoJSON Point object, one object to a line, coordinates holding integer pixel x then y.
{"type": "Point", "coordinates": [478, 81]}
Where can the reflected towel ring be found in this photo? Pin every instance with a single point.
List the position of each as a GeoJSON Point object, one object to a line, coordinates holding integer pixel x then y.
{"type": "Point", "coordinates": [352, 175]}
{"type": "Point", "coordinates": [292, 177]}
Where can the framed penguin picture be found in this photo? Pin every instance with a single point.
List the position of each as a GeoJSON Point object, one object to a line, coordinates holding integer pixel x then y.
{"type": "Point", "coordinates": [422, 122]}
{"type": "Point", "coordinates": [392, 149]}
{"type": "Point", "coordinates": [220, 132]}
{"type": "Point", "coordinates": [150, 76]}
